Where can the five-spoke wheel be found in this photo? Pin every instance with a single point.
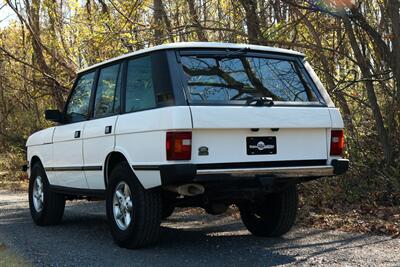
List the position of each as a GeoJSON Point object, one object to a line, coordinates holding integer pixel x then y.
{"type": "Point", "coordinates": [122, 203]}
{"type": "Point", "coordinates": [38, 195]}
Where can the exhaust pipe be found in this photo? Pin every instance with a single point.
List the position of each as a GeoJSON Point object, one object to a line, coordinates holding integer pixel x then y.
{"type": "Point", "coordinates": [186, 189]}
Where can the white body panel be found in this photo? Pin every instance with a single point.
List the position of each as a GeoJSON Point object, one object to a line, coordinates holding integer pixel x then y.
{"type": "Point", "coordinates": [40, 145]}
{"type": "Point", "coordinates": [301, 132]}
{"type": "Point", "coordinates": [96, 146]}
{"type": "Point", "coordinates": [239, 117]}
{"type": "Point", "coordinates": [68, 152]}
{"type": "Point", "coordinates": [40, 138]}
{"type": "Point", "coordinates": [140, 136]}
{"type": "Point", "coordinates": [229, 145]}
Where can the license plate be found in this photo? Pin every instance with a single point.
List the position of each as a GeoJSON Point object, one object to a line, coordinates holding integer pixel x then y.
{"type": "Point", "coordinates": [261, 145]}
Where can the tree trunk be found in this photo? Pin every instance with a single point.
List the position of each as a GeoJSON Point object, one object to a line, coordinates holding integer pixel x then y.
{"type": "Point", "coordinates": [160, 16]}
{"type": "Point", "coordinates": [252, 21]}
{"type": "Point", "coordinates": [366, 73]}
{"type": "Point", "coordinates": [167, 23]}
{"type": "Point", "coordinates": [195, 20]}
{"type": "Point", "coordinates": [33, 10]}
{"type": "Point", "coordinates": [158, 28]}
{"type": "Point", "coordinates": [328, 75]}
{"type": "Point", "coordinates": [394, 10]}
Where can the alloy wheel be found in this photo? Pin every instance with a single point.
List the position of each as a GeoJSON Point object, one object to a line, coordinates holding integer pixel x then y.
{"type": "Point", "coordinates": [122, 205]}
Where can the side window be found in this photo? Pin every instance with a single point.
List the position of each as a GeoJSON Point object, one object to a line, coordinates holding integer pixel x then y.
{"type": "Point", "coordinates": [139, 85]}
{"type": "Point", "coordinates": [78, 105]}
{"type": "Point", "coordinates": [108, 92]}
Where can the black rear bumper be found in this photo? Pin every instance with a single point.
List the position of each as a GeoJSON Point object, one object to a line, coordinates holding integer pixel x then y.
{"type": "Point", "coordinates": [340, 166]}
{"type": "Point", "coordinates": [265, 172]}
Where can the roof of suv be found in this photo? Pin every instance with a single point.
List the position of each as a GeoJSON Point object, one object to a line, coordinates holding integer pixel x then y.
{"type": "Point", "coordinates": [185, 45]}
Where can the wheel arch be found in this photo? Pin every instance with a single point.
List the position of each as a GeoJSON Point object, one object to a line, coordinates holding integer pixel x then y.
{"type": "Point", "coordinates": [148, 179]}
{"type": "Point", "coordinates": [112, 159]}
{"type": "Point", "coordinates": [35, 159]}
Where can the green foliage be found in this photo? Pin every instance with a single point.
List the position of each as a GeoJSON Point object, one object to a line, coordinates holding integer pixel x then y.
{"type": "Point", "coordinates": [11, 160]}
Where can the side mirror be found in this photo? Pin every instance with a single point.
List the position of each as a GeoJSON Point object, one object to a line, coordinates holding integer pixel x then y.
{"type": "Point", "coordinates": [53, 115]}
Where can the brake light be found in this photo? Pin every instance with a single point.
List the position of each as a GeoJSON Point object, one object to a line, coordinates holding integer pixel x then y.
{"type": "Point", "coordinates": [337, 142]}
{"type": "Point", "coordinates": [179, 145]}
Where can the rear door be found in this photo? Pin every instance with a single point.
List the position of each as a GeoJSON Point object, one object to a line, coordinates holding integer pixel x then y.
{"type": "Point", "coordinates": [99, 131]}
{"type": "Point", "coordinates": [234, 119]}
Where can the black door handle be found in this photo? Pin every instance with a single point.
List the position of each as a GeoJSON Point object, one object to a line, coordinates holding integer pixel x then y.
{"type": "Point", "coordinates": [77, 134]}
{"type": "Point", "coordinates": [108, 129]}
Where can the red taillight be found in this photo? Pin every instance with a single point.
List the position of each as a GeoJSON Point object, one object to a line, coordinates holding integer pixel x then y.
{"type": "Point", "coordinates": [337, 142]}
{"type": "Point", "coordinates": [179, 145]}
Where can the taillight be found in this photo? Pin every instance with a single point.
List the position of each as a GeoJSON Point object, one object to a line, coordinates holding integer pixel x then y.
{"type": "Point", "coordinates": [179, 145]}
{"type": "Point", "coordinates": [337, 142]}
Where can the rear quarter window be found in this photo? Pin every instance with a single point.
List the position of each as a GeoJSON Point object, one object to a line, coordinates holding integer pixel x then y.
{"type": "Point", "coordinates": [140, 92]}
{"type": "Point", "coordinates": [148, 83]}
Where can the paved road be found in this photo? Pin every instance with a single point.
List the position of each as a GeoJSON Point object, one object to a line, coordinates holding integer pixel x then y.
{"type": "Point", "coordinates": [187, 240]}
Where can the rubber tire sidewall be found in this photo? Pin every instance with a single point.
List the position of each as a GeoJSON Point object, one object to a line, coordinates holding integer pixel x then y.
{"type": "Point", "coordinates": [54, 204]}
{"type": "Point", "coordinates": [167, 210]}
{"type": "Point", "coordinates": [132, 236]}
{"type": "Point", "coordinates": [280, 211]}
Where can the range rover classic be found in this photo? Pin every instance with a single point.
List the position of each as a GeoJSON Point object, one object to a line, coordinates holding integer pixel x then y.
{"type": "Point", "coordinates": [205, 125]}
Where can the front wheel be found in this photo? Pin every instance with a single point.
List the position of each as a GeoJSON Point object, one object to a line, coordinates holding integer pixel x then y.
{"type": "Point", "coordinates": [134, 213]}
{"type": "Point", "coordinates": [273, 215]}
{"type": "Point", "coordinates": [46, 207]}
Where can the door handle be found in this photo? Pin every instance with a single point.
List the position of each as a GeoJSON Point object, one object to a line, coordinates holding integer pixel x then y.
{"type": "Point", "coordinates": [108, 129]}
{"type": "Point", "coordinates": [77, 134]}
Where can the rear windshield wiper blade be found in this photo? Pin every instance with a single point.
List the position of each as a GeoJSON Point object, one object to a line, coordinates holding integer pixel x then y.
{"type": "Point", "coordinates": [261, 101]}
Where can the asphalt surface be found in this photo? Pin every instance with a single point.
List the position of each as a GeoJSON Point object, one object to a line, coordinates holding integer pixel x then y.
{"type": "Point", "coordinates": [187, 239]}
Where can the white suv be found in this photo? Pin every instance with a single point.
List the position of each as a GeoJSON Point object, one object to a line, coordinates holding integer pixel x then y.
{"type": "Point", "coordinates": [188, 124]}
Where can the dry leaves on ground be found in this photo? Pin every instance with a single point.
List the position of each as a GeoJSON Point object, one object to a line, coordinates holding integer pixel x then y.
{"type": "Point", "coordinates": [356, 218]}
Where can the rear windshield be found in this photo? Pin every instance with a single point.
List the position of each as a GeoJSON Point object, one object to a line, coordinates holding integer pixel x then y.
{"type": "Point", "coordinates": [216, 79]}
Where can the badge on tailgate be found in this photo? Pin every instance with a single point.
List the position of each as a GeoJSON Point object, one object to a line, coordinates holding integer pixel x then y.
{"type": "Point", "coordinates": [261, 145]}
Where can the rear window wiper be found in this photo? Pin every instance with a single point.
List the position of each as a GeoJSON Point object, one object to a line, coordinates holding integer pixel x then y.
{"type": "Point", "coordinates": [261, 101]}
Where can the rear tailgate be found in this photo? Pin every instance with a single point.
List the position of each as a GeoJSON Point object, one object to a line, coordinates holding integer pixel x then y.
{"type": "Point", "coordinates": [228, 134]}
{"type": "Point", "coordinates": [252, 106]}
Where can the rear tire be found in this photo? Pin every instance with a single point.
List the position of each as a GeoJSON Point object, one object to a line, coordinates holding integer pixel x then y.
{"type": "Point", "coordinates": [134, 213]}
{"type": "Point", "coordinates": [46, 207]}
{"type": "Point", "coordinates": [272, 216]}
{"type": "Point", "coordinates": [167, 211]}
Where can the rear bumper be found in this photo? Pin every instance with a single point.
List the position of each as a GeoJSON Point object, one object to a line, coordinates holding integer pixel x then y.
{"type": "Point", "coordinates": [192, 173]}
{"type": "Point", "coordinates": [283, 172]}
